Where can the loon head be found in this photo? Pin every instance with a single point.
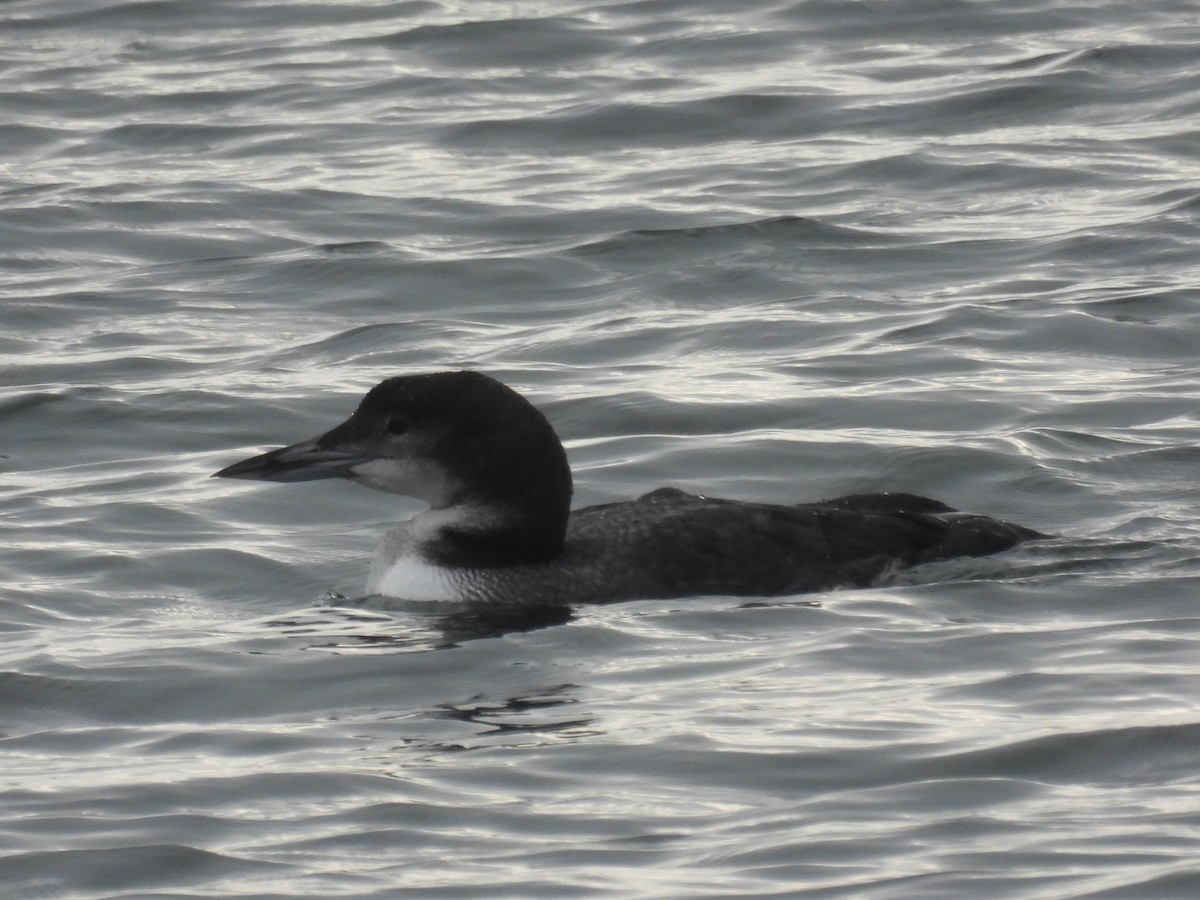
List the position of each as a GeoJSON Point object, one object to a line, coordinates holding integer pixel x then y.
{"type": "Point", "coordinates": [462, 442]}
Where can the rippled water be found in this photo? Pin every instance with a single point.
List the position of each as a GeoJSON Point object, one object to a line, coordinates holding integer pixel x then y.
{"type": "Point", "coordinates": [776, 250]}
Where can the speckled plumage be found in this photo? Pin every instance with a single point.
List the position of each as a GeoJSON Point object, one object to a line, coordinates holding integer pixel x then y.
{"type": "Point", "coordinates": [673, 544]}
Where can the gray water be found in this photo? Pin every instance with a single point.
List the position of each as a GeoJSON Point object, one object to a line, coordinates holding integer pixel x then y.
{"type": "Point", "coordinates": [777, 250]}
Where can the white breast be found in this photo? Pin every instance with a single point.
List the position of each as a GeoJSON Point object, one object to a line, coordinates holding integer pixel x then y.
{"type": "Point", "coordinates": [410, 578]}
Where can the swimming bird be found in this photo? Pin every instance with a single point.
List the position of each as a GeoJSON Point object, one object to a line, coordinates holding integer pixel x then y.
{"type": "Point", "coordinates": [500, 529]}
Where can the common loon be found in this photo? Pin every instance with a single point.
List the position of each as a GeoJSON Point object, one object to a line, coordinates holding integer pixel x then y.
{"type": "Point", "coordinates": [500, 529]}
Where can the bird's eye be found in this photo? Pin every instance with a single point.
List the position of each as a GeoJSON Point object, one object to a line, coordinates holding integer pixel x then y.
{"type": "Point", "coordinates": [397, 425]}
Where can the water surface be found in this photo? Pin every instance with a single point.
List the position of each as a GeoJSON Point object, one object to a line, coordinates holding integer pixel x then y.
{"type": "Point", "coordinates": [788, 250]}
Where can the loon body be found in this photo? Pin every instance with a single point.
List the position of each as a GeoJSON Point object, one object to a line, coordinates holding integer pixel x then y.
{"type": "Point", "coordinates": [500, 529]}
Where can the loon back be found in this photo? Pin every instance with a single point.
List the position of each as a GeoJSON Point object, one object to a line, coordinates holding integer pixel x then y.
{"type": "Point", "coordinates": [673, 544]}
{"type": "Point", "coordinates": [500, 529]}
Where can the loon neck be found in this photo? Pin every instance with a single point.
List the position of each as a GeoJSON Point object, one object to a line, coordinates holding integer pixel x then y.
{"type": "Point", "coordinates": [473, 536]}
{"type": "Point", "coordinates": [509, 488]}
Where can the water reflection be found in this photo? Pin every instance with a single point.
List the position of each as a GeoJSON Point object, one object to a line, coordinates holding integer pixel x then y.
{"type": "Point", "coordinates": [535, 715]}
{"type": "Point", "coordinates": [351, 628]}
